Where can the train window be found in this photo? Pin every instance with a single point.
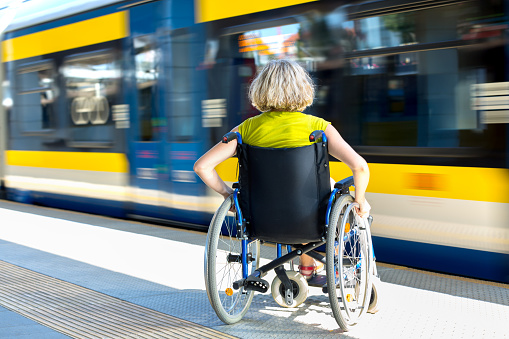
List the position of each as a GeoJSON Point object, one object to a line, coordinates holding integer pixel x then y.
{"type": "Point", "coordinates": [92, 84]}
{"type": "Point", "coordinates": [381, 31]}
{"type": "Point", "coordinates": [36, 94]}
{"type": "Point", "coordinates": [6, 95]}
{"type": "Point", "coordinates": [411, 85]}
{"type": "Point", "coordinates": [393, 82]}
{"type": "Point", "coordinates": [421, 98]}
{"type": "Point", "coordinates": [251, 47]}
{"type": "Point", "coordinates": [265, 44]}
{"type": "Point", "coordinates": [146, 79]}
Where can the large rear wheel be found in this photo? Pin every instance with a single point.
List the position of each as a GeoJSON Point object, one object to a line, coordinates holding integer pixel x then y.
{"type": "Point", "coordinates": [223, 266]}
{"type": "Point", "coordinates": [348, 274]}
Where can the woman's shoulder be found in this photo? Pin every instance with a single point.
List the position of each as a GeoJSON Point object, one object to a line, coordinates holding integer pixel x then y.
{"type": "Point", "coordinates": [317, 121]}
{"type": "Point", "coordinates": [251, 122]}
{"type": "Point", "coordinates": [254, 118]}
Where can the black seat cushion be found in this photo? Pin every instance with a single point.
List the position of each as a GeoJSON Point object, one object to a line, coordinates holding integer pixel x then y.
{"type": "Point", "coordinates": [284, 192]}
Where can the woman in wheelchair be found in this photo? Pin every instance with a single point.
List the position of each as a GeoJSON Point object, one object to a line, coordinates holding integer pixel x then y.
{"type": "Point", "coordinates": [284, 197]}
{"type": "Point", "coordinates": [281, 91]}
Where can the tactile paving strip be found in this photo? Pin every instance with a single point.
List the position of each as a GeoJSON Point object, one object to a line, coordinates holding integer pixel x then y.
{"type": "Point", "coordinates": [83, 313]}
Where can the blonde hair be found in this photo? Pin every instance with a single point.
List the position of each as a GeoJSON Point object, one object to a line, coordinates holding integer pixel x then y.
{"type": "Point", "coordinates": [282, 85]}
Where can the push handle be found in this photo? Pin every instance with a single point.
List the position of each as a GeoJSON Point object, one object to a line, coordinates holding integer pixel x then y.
{"type": "Point", "coordinates": [317, 136]}
{"type": "Point", "coordinates": [232, 136]}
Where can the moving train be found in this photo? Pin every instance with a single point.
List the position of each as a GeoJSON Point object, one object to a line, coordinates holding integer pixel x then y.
{"type": "Point", "coordinates": [106, 105]}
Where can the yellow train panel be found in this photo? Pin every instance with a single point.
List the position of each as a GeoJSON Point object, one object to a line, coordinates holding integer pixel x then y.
{"type": "Point", "coordinates": [465, 183]}
{"type": "Point", "coordinates": [101, 162]}
{"type": "Point", "coordinates": [88, 32]}
{"type": "Point", "coordinates": [209, 10]}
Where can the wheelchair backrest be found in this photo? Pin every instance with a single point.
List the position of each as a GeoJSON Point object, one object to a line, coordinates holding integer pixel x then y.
{"type": "Point", "coordinates": [284, 192]}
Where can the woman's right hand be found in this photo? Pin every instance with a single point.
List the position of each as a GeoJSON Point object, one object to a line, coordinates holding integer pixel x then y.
{"type": "Point", "coordinates": [363, 209]}
{"type": "Point", "coordinates": [227, 196]}
{"type": "Point", "coordinates": [228, 192]}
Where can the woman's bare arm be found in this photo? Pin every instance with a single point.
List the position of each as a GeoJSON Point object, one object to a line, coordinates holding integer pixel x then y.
{"type": "Point", "coordinates": [205, 166]}
{"type": "Point", "coordinates": [341, 150]}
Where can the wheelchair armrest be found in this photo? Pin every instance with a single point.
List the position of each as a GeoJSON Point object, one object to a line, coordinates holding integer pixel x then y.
{"type": "Point", "coordinates": [344, 185]}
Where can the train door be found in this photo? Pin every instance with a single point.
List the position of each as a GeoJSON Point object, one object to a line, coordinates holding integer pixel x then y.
{"type": "Point", "coordinates": [167, 105]}
{"type": "Point", "coordinates": [146, 159]}
{"type": "Point", "coordinates": [3, 123]}
{"type": "Point", "coordinates": [183, 93]}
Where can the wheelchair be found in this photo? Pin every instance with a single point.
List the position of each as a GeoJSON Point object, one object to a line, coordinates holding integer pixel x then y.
{"type": "Point", "coordinates": [284, 196]}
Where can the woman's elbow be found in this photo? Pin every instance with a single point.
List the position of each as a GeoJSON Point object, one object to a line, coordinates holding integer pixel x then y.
{"type": "Point", "coordinates": [199, 168]}
{"type": "Point", "coordinates": [361, 167]}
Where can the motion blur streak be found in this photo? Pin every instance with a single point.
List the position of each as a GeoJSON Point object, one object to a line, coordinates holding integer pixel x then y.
{"type": "Point", "coordinates": [107, 104]}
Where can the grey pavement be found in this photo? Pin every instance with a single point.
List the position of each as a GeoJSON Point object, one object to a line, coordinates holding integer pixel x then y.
{"type": "Point", "coordinates": [161, 268]}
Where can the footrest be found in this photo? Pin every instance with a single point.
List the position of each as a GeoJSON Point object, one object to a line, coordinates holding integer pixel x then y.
{"type": "Point", "coordinates": [317, 280]}
{"type": "Point", "coordinates": [256, 284]}
{"type": "Point", "coordinates": [252, 284]}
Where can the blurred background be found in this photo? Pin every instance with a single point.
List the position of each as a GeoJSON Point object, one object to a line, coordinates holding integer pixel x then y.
{"type": "Point", "coordinates": [106, 105]}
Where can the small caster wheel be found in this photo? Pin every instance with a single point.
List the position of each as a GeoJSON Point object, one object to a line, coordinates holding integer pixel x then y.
{"type": "Point", "coordinates": [300, 289]}
{"type": "Point", "coordinates": [374, 301]}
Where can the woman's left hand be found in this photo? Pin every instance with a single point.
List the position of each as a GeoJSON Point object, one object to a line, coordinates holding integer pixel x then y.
{"type": "Point", "coordinates": [363, 209]}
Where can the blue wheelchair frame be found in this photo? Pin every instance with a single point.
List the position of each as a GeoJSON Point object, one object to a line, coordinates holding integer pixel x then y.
{"type": "Point", "coordinates": [341, 187]}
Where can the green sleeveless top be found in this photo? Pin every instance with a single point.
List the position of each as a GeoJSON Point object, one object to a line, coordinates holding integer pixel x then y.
{"type": "Point", "coordinates": [280, 129]}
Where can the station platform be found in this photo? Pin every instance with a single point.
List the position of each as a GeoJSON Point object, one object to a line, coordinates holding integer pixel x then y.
{"type": "Point", "coordinates": [66, 274]}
